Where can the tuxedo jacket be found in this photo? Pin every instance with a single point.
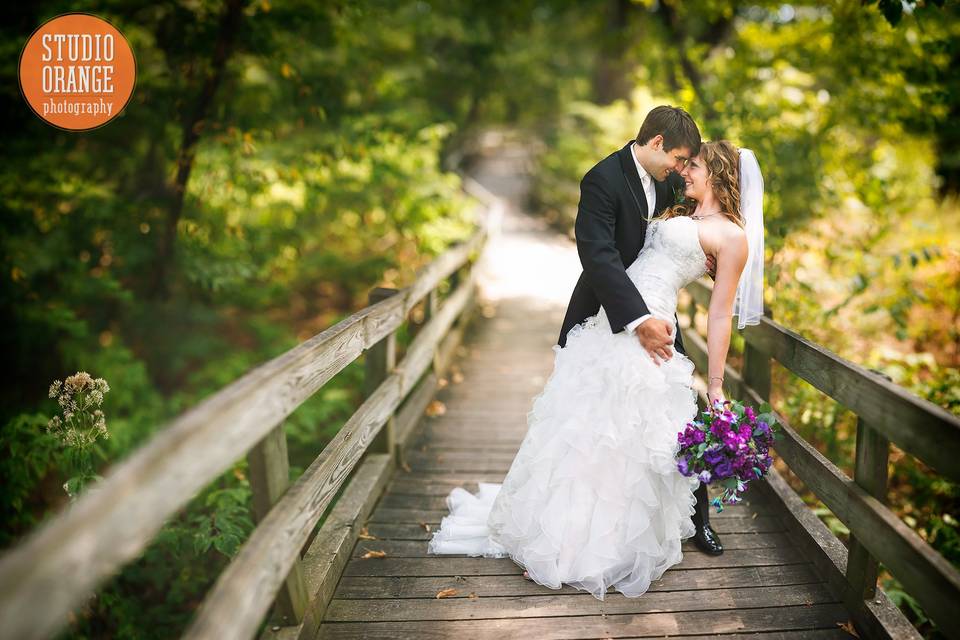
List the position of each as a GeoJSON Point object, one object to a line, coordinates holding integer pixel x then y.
{"type": "Point", "coordinates": [610, 229]}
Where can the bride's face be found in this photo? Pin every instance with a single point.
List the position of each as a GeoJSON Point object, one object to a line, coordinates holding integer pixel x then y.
{"type": "Point", "coordinates": [695, 176]}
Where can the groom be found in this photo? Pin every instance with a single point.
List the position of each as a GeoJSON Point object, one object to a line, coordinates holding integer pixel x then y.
{"type": "Point", "coordinates": [618, 197]}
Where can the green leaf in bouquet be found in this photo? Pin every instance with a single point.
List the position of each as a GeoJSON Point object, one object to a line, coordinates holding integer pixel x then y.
{"type": "Point", "coordinates": [765, 408]}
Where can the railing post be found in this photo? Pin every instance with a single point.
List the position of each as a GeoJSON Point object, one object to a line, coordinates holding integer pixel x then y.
{"type": "Point", "coordinates": [757, 366]}
{"type": "Point", "coordinates": [431, 306]}
{"type": "Point", "coordinates": [379, 362]}
{"type": "Point", "coordinates": [870, 472]}
{"type": "Point", "coordinates": [269, 472]}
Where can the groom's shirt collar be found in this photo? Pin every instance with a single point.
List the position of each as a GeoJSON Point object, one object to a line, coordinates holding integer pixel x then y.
{"type": "Point", "coordinates": [640, 170]}
{"type": "Point", "coordinates": [647, 182]}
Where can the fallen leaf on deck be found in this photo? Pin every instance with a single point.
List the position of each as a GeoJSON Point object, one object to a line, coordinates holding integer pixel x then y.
{"type": "Point", "coordinates": [457, 377]}
{"type": "Point", "coordinates": [436, 408]}
{"type": "Point", "coordinates": [446, 593]}
{"type": "Point", "coordinates": [473, 594]}
{"type": "Point", "coordinates": [425, 526]}
{"type": "Point", "coordinates": [365, 535]}
{"type": "Point", "coordinates": [405, 466]}
{"type": "Point", "coordinates": [848, 627]}
{"type": "Point", "coordinates": [374, 554]}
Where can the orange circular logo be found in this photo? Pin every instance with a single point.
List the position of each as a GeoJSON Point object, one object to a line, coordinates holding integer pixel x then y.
{"type": "Point", "coordinates": [77, 72]}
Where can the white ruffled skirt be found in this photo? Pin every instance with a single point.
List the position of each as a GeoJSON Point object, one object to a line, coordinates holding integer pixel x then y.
{"type": "Point", "coordinates": [593, 498]}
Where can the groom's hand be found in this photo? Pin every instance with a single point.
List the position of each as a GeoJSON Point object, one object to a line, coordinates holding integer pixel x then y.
{"type": "Point", "coordinates": [712, 267]}
{"type": "Point", "coordinates": [656, 336]}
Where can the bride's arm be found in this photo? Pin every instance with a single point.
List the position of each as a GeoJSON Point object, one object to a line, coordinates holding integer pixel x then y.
{"type": "Point", "coordinates": [731, 257]}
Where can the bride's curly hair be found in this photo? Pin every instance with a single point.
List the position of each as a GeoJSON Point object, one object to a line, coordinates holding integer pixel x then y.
{"type": "Point", "coordinates": [722, 160]}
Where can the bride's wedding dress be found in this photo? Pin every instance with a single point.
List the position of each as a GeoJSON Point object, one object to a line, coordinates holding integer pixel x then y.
{"type": "Point", "coordinates": [593, 497]}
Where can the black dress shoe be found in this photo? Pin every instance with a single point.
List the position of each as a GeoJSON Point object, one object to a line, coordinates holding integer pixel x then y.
{"type": "Point", "coordinates": [707, 540]}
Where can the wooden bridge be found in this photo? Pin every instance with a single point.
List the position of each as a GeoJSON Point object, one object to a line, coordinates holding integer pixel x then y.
{"type": "Point", "coordinates": [341, 553]}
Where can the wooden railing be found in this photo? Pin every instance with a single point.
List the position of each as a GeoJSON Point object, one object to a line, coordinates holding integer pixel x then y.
{"type": "Point", "coordinates": [57, 567]}
{"type": "Point", "coordinates": [886, 413]}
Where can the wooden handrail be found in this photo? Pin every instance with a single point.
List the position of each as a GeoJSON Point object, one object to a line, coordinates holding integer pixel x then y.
{"type": "Point", "coordinates": [55, 568]}
{"type": "Point", "coordinates": [888, 407]}
{"type": "Point", "coordinates": [245, 589]}
{"type": "Point", "coordinates": [887, 413]}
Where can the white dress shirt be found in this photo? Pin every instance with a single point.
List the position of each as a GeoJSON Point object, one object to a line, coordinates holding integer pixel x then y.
{"type": "Point", "coordinates": [648, 189]}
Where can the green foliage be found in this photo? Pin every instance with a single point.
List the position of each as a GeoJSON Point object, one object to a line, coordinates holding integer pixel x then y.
{"type": "Point", "coordinates": [224, 523]}
{"type": "Point", "coordinates": [31, 453]}
{"type": "Point", "coordinates": [176, 569]}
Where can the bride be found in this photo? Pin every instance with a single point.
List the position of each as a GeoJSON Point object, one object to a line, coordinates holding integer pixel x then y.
{"type": "Point", "coordinates": [593, 498]}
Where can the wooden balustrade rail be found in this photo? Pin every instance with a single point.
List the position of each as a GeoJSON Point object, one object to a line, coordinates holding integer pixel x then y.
{"type": "Point", "coordinates": [886, 413]}
{"type": "Point", "coordinates": [57, 567]}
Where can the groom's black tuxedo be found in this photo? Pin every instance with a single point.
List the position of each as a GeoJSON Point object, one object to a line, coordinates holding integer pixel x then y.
{"type": "Point", "coordinates": [610, 229]}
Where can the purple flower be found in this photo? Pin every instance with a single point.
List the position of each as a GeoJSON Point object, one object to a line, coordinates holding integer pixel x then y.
{"type": "Point", "coordinates": [719, 428]}
{"type": "Point", "coordinates": [712, 456]}
{"type": "Point", "coordinates": [723, 470]}
{"type": "Point", "coordinates": [726, 442]}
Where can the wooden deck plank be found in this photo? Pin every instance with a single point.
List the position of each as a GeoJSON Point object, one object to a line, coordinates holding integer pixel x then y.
{"type": "Point", "coordinates": [721, 524]}
{"type": "Point", "coordinates": [417, 549]}
{"type": "Point", "coordinates": [388, 514]}
{"type": "Point", "coordinates": [552, 606]}
{"type": "Point", "coordinates": [514, 585]}
{"type": "Point", "coordinates": [451, 565]}
{"type": "Point", "coordinates": [641, 625]}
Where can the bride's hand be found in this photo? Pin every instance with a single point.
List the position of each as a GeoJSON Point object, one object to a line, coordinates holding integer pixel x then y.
{"type": "Point", "coordinates": [715, 392]}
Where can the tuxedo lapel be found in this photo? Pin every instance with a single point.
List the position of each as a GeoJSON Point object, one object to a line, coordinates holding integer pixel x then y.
{"type": "Point", "coordinates": [634, 185]}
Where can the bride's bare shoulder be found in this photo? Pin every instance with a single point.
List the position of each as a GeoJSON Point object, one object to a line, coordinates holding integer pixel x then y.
{"type": "Point", "coordinates": [732, 232]}
{"type": "Point", "coordinates": [731, 240]}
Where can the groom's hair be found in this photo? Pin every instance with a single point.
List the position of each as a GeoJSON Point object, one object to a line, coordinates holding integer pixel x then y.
{"type": "Point", "coordinates": [675, 125]}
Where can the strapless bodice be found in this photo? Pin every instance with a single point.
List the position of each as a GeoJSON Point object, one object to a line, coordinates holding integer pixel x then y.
{"type": "Point", "coordinates": [671, 258]}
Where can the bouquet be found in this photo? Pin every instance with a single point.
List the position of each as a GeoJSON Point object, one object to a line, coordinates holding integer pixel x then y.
{"type": "Point", "coordinates": [728, 446]}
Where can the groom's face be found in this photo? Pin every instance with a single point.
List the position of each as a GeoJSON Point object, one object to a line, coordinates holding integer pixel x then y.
{"type": "Point", "coordinates": [673, 160]}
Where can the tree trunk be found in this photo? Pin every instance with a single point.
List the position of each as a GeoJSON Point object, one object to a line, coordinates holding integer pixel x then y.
{"type": "Point", "coordinates": [193, 125]}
